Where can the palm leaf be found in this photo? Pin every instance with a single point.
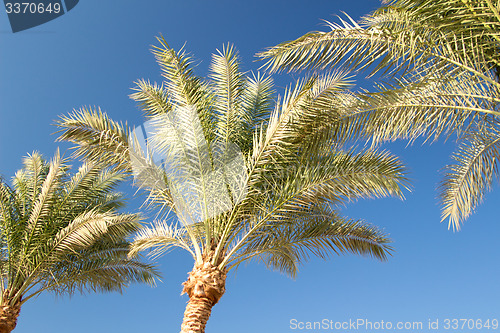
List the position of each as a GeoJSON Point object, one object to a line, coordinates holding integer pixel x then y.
{"type": "Point", "coordinates": [228, 84]}
{"type": "Point", "coordinates": [476, 164]}
{"type": "Point", "coordinates": [97, 137]}
{"type": "Point", "coordinates": [285, 244]}
{"type": "Point", "coordinates": [162, 236]}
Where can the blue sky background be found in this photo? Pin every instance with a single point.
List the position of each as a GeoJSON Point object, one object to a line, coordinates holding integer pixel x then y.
{"type": "Point", "coordinates": [93, 54]}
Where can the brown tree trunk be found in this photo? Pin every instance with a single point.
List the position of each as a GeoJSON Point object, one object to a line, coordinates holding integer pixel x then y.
{"type": "Point", "coordinates": [205, 286]}
{"type": "Point", "coordinates": [8, 314]}
{"type": "Point", "coordinates": [196, 315]}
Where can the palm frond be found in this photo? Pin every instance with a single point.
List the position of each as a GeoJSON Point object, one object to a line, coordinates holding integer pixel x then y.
{"type": "Point", "coordinates": [476, 165]}
{"type": "Point", "coordinates": [89, 227]}
{"type": "Point", "coordinates": [47, 192]}
{"type": "Point", "coordinates": [320, 50]}
{"type": "Point", "coordinates": [97, 137]}
{"type": "Point", "coordinates": [184, 89]}
{"type": "Point", "coordinates": [152, 98]}
{"type": "Point", "coordinates": [256, 105]}
{"type": "Point", "coordinates": [162, 236]}
{"type": "Point", "coordinates": [285, 244]}
{"type": "Point", "coordinates": [430, 108]}
{"type": "Point", "coordinates": [334, 179]}
{"type": "Point", "coordinates": [98, 271]}
{"type": "Point", "coordinates": [228, 84]}
{"type": "Point", "coordinates": [394, 39]}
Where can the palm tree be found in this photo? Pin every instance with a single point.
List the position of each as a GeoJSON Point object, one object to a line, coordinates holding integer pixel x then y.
{"type": "Point", "coordinates": [63, 234]}
{"type": "Point", "coordinates": [245, 179]}
{"type": "Point", "coordinates": [442, 62]}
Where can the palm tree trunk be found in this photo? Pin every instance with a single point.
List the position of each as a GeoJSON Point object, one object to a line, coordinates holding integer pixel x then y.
{"type": "Point", "coordinates": [196, 315]}
{"type": "Point", "coordinates": [8, 313]}
{"type": "Point", "coordinates": [205, 286]}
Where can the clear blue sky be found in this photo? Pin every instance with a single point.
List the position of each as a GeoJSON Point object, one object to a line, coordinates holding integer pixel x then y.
{"type": "Point", "coordinates": [92, 56]}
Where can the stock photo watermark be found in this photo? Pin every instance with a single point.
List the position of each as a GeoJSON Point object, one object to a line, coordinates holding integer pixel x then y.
{"type": "Point", "coordinates": [362, 324]}
{"type": "Point", "coordinates": [171, 151]}
{"type": "Point", "coordinates": [25, 14]}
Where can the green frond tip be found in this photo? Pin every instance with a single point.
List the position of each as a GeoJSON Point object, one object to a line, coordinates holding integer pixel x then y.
{"type": "Point", "coordinates": [476, 165]}
{"type": "Point", "coordinates": [162, 237]}
{"type": "Point", "coordinates": [97, 137]}
{"type": "Point", "coordinates": [286, 243]}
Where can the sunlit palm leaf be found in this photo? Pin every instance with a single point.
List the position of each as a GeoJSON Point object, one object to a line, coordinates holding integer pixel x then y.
{"type": "Point", "coordinates": [283, 245]}
{"type": "Point", "coordinates": [152, 98]}
{"type": "Point", "coordinates": [228, 85]}
{"type": "Point", "coordinates": [256, 103]}
{"type": "Point", "coordinates": [466, 182]}
{"type": "Point", "coordinates": [97, 137]}
{"type": "Point", "coordinates": [183, 88]}
{"type": "Point", "coordinates": [162, 237]}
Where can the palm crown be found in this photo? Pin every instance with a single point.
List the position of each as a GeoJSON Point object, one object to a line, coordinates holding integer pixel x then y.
{"type": "Point", "coordinates": [63, 234]}
{"type": "Point", "coordinates": [247, 177]}
{"type": "Point", "coordinates": [441, 59]}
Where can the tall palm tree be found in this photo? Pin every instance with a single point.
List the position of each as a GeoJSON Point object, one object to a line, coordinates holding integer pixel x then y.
{"type": "Point", "coordinates": [244, 179]}
{"type": "Point", "coordinates": [62, 233]}
{"type": "Point", "coordinates": [442, 64]}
